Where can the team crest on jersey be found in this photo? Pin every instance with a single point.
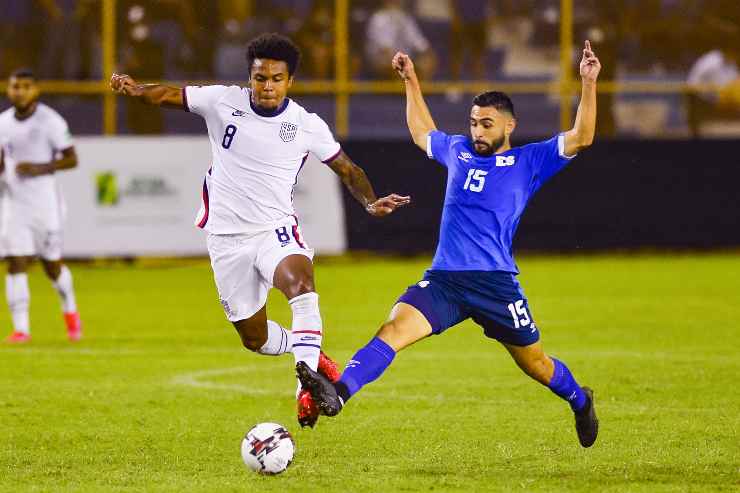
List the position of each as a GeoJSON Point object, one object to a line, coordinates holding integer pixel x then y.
{"type": "Point", "coordinates": [502, 161]}
{"type": "Point", "coordinates": [288, 131]}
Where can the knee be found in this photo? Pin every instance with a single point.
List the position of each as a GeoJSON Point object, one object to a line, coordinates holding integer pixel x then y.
{"type": "Point", "coordinates": [53, 270]}
{"type": "Point", "coordinates": [300, 285]}
{"type": "Point", "coordinates": [252, 342]}
{"type": "Point", "coordinates": [17, 265]}
{"type": "Point", "coordinates": [252, 337]}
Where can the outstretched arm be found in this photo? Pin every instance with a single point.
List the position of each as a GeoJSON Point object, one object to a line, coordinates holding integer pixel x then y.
{"type": "Point", "coordinates": [155, 94]}
{"type": "Point", "coordinates": [355, 179]}
{"type": "Point", "coordinates": [582, 133]}
{"type": "Point", "coordinates": [418, 118]}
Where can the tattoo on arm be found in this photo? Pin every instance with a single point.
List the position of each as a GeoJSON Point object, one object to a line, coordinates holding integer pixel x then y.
{"type": "Point", "coordinates": [354, 178]}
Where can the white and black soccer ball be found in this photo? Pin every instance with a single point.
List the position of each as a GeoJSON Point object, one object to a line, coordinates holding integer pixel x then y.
{"type": "Point", "coordinates": [268, 448]}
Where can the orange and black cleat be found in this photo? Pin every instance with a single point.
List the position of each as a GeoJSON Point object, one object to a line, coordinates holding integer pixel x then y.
{"type": "Point", "coordinates": [308, 411]}
{"type": "Point", "coordinates": [328, 368]}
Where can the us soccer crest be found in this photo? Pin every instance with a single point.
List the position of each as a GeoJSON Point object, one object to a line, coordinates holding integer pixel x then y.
{"type": "Point", "coordinates": [288, 131]}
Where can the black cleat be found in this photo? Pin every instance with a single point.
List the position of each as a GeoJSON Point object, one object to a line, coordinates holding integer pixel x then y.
{"type": "Point", "coordinates": [587, 424]}
{"type": "Point", "coordinates": [322, 390]}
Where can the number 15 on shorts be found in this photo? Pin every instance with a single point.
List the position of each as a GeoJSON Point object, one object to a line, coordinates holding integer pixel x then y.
{"type": "Point", "coordinates": [519, 314]}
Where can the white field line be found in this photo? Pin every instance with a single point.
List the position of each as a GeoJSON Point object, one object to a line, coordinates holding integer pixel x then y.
{"type": "Point", "coordinates": [200, 380]}
{"type": "Point", "coordinates": [419, 354]}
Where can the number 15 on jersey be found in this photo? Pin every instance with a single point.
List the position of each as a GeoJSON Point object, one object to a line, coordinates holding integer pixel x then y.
{"type": "Point", "coordinates": [476, 180]}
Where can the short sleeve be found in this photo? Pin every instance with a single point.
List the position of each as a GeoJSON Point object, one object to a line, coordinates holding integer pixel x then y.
{"type": "Point", "coordinates": [60, 137]}
{"type": "Point", "coordinates": [321, 141]}
{"type": "Point", "coordinates": [549, 158]}
{"type": "Point", "coordinates": [438, 146]}
{"type": "Point", "coordinates": [201, 100]}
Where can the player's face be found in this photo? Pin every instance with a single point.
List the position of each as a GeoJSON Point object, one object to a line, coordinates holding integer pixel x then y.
{"type": "Point", "coordinates": [22, 92]}
{"type": "Point", "coordinates": [269, 81]}
{"type": "Point", "coordinates": [490, 129]}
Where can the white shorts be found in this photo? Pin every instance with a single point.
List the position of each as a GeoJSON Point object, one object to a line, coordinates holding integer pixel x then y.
{"type": "Point", "coordinates": [31, 236]}
{"type": "Point", "coordinates": [244, 265]}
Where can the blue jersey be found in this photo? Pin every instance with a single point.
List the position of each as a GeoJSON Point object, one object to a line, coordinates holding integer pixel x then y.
{"type": "Point", "coordinates": [486, 197]}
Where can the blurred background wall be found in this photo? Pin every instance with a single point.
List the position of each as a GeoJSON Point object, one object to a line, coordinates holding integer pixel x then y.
{"type": "Point", "coordinates": [663, 172]}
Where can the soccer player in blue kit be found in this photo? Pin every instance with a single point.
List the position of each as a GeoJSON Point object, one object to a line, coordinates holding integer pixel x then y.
{"type": "Point", "coordinates": [473, 274]}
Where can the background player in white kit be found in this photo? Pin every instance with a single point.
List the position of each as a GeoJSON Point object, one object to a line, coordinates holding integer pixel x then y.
{"type": "Point", "coordinates": [36, 143]}
{"type": "Point", "coordinates": [260, 140]}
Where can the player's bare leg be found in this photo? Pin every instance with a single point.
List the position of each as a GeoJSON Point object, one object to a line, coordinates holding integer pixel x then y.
{"type": "Point", "coordinates": [553, 374]}
{"type": "Point", "coordinates": [19, 299]}
{"type": "Point", "coordinates": [294, 278]}
{"type": "Point", "coordinates": [263, 336]}
{"type": "Point", "coordinates": [405, 326]}
{"type": "Point", "coordinates": [253, 333]}
{"type": "Point", "coordinates": [61, 278]}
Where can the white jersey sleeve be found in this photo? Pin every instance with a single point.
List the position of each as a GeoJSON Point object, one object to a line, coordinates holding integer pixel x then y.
{"type": "Point", "coordinates": [60, 137]}
{"type": "Point", "coordinates": [202, 100]}
{"type": "Point", "coordinates": [321, 141]}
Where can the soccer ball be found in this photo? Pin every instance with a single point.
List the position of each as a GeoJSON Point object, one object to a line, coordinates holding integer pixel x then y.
{"type": "Point", "coordinates": [268, 448]}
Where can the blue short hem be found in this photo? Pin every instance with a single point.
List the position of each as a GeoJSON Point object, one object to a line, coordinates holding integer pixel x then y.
{"type": "Point", "coordinates": [414, 297]}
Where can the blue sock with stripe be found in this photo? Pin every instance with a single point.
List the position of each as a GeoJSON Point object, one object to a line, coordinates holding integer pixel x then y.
{"type": "Point", "coordinates": [565, 386]}
{"type": "Point", "coordinates": [365, 366]}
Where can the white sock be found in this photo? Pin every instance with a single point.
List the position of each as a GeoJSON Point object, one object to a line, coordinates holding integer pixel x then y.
{"type": "Point", "coordinates": [66, 290]}
{"type": "Point", "coordinates": [306, 329]}
{"type": "Point", "coordinates": [278, 340]}
{"type": "Point", "coordinates": [19, 299]}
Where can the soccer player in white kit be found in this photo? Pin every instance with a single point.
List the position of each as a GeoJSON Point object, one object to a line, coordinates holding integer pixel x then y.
{"type": "Point", "coordinates": [260, 140]}
{"type": "Point", "coordinates": [36, 143]}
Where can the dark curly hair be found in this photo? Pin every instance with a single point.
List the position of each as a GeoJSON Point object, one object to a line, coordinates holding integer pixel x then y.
{"type": "Point", "coordinates": [275, 47]}
{"type": "Point", "coordinates": [498, 100]}
{"type": "Point", "coordinates": [23, 73]}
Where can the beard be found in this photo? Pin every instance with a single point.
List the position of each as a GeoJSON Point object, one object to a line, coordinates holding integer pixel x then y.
{"type": "Point", "coordinates": [486, 149]}
{"type": "Point", "coordinates": [25, 108]}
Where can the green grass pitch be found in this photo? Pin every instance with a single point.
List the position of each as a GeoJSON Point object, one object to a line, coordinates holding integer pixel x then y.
{"type": "Point", "coordinates": [159, 394]}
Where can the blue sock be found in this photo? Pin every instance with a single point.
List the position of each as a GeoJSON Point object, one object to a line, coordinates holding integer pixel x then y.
{"type": "Point", "coordinates": [365, 366]}
{"type": "Point", "coordinates": [564, 385]}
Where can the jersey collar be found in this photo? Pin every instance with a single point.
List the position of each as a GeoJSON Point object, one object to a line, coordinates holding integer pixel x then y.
{"type": "Point", "coordinates": [268, 113]}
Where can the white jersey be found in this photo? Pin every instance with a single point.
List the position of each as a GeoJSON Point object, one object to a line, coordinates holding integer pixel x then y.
{"type": "Point", "coordinates": [256, 158]}
{"type": "Point", "coordinates": [36, 139]}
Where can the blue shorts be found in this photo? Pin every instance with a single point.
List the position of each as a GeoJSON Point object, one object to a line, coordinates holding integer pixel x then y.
{"type": "Point", "coordinates": [494, 300]}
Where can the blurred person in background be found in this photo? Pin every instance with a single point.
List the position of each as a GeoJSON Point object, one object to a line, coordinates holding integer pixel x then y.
{"type": "Point", "coordinates": [669, 30]}
{"type": "Point", "coordinates": [18, 40]}
{"type": "Point", "coordinates": [260, 140]}
{"type": "Point", "coordinates": [718, 67]}
{"type": "Point", "coordinates": [61, 52]}
{"type": "Point", "coordinates": [143, 56]}
{"type": "Point", "coordinates": [390, 29]}
{"type": "Point", "coordinates": [240, 21]}
{"type": "Point", "coordinates": [315, 37]}
{"type": "Point", "coordinates": [470, 22]}
{"type": "Point", "coordinates": [36, 143]}
{"type": "Point", "coordinates": [601, 24]}
{"type": "Point", "coordinates": [91, 50]}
